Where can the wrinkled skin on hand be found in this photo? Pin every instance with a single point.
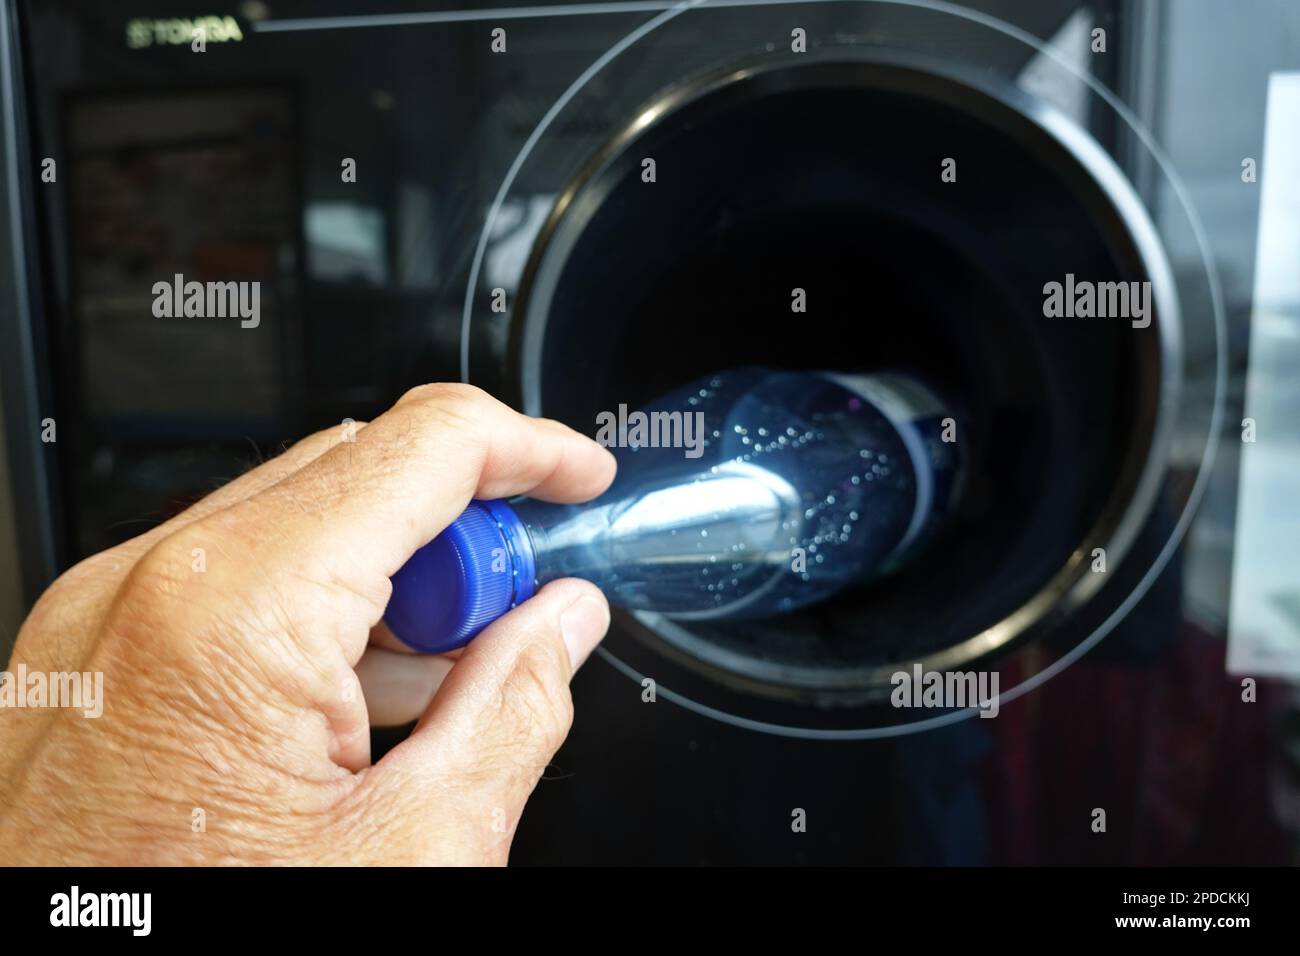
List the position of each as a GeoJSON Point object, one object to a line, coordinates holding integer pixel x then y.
{"type": "Point", "coordinates": [244, 661]}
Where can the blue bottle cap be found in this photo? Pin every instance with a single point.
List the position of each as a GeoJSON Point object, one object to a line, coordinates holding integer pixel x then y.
{"type": "Point", "coordinates": [478, 568]}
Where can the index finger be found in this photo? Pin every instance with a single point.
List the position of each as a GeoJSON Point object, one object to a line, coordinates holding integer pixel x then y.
{"type": "Point", "coordinates": [352, 517]}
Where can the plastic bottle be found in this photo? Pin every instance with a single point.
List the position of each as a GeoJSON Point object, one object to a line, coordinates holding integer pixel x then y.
{"type": "Point", "coordinates": [748, 493]}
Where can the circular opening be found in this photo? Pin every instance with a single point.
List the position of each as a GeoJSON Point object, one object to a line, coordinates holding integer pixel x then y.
{"type": "Point", "coordinates": [827, 178]}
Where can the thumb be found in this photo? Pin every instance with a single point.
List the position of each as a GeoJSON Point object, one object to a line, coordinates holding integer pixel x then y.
{"type": "Point", "coordinates": [503, 710]}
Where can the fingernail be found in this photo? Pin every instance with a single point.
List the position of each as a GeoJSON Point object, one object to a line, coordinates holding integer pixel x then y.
{"type": "Point", "coordinates": [582, 625]}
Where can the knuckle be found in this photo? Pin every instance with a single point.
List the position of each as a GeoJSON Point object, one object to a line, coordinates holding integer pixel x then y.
{"type": "Point", "coordinates": [443, 413]}
{"type": "Point", "coordinates": [106, 566]}
{"type": "Point", "coordinates": [72, 603]}
{"type": "Point", "coordinates": [450, 395]}
{"type": "Point", "coordinates": [145, 620]}
{"type": "Point", "coordinates": [186, 573]}
{"type": "Point", "coordinates": [166, 569]}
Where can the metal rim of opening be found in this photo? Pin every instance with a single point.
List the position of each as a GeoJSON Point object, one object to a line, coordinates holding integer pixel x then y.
{"type": "Point", "coordinates": [1133, 492]}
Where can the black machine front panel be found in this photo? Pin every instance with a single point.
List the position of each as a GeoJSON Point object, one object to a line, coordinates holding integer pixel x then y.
{"type": "Point", "coordinates": [388, 174]}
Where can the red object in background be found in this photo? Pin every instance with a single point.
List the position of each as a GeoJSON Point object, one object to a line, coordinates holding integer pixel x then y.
{"type": "Point", "coordinates": [224, 261]}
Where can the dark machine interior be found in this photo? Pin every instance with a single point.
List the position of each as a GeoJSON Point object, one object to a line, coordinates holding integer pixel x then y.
{"type": "Point", "coordinates": [775, 189]}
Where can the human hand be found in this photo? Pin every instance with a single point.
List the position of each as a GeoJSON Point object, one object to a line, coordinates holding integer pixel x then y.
{"type": "Point", "coordinates": [244, 660]}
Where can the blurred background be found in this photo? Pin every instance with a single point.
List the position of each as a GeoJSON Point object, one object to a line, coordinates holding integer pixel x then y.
{"type": "Point", "coordinates": [1169, 154]}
